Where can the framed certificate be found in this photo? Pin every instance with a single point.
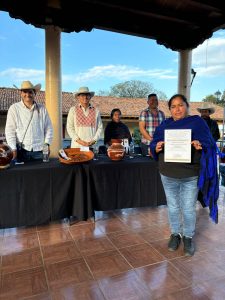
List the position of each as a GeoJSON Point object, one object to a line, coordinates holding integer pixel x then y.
{"type": "Point", "coordinates": [177, 147]}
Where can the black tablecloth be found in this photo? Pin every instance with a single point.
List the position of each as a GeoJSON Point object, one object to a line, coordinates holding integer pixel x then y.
{"type": "Point", "coordinates": [35, 193]}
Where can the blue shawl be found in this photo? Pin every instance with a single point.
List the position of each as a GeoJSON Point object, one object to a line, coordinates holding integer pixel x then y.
{"type": "Point", "coordinates": [208, 182]}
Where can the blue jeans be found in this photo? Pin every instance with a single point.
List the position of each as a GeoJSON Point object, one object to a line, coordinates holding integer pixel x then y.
{"type": "Point", "coordinates": [30, 155]}
{"type": "Point", "coordinates": [181, 196]}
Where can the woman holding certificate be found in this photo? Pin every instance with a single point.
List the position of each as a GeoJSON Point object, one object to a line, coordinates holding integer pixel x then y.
{"type": "Point", "coordinates": [186, 152]}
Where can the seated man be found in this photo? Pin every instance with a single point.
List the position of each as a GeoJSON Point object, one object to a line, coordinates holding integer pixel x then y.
{"type": "Point", "coordinates": [115, 129]}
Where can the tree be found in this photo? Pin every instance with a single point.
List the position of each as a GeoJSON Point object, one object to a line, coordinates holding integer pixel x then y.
{"type": "Point", "coordinates": [216, 98]}
{"type": "Point", "coordinates": [102, 93]}
{"type": "Point", "coordinates": [210, 98]}
{"type": "Point", "coordinates": [133, 89]}
{"type": "Point", "coordinates": [137, 136]}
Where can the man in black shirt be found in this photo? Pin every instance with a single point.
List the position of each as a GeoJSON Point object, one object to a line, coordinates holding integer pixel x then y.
{"type": "Point", "coordinates": [206, 110]}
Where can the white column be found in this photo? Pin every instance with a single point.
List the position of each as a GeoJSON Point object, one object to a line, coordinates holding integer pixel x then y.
{"type": "Point", "coordinates": [53, 89]}
{"type": "Point", "coordinates": [184, 75]}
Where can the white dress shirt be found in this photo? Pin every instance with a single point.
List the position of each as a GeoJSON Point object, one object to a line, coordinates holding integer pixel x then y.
{"type": "Point", "coordinates": [39, 131]}
{"type": "Point", "coordinates": [86, 134]}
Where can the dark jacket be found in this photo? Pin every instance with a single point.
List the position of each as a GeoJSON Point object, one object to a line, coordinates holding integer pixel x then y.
{"type": "Point", "coordinates": [115, 130]}
{"type": "Point", "coordinates": [213, 127]}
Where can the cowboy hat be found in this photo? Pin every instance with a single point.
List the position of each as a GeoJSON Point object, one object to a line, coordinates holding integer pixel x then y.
{"type": "Point", "coordinates": [83, 90]}
{"type": "Point", "coordinates": [206, 106]}
{"type": "Point", "coordinates": [27, 85]}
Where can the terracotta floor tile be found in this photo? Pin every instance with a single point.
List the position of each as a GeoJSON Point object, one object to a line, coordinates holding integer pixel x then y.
{"type": "Point", "coordinates": [23, 284]}
{"type": "Point", "coordinates": [50, 237]}
{"type": "Point", "coordinates": [19, 231]}
{"type": "Point", "coordinates": [125, 239]}
{"type": "Point", "coordinates": [124, 286]}
{"type": "Point", "coordinates": [140, 238]}
{"type": "Point", "coordinates": [141, 255]}
{"type": "Point", "coordinates": [162, 247]}
{"type": "Point", "coordinates": [107, 264]}
{"type": "Point", "coordinates": [61, 224]}
{"type": "Point", "coordinates": [26, 259]}
{"type": "Point", "coordinates": [44, 296]}
{"type": "Point", "coordinates": [126, 212]}
{"type": "Point", "coordinates": [162, 279]}
{"type": "Point", "coordinates": [104, 215]}
{"type": "Point", "coordinates": [155, 232]}
{"type": "Point", "coordinates": [13, 244]}
{"type": "Point", "coordinates": [76, 222]}
{"type": "Point", "coordinates": [135, 221]}
{"type": "Point", "coordinates": [85, 231]}
{"type": "Point", "coordinates": [203, 243]}
{"type": "Point", "coordinates": [67, 272]}
{"type": "Point", "coordinates": [202, 266]}
{"type": "Point", "coordinates": [203, 223]}
{"type": "Point", "coordinates": [161, 216]}
{"type": "Point", "coordinates": [214, 289]}
{"type": "Point", "coordinates": [91, 246]}
{"type": "Point", "coordinates": [59, 252]}
{"type": "Point", "coordinates": [111, 225]}
{"type": "Point", "coordinates": [81, 291]}
{"type": "Point", "coordinates": [191, 293]}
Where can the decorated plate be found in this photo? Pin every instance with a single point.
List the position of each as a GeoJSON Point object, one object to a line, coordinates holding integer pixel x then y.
{"type": "Point", "coordinates": [76, 156]}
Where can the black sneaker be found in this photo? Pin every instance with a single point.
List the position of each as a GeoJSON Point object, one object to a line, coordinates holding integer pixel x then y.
{"type": "Point", "coordinates": [189, 248]}
{"type": "Point", "coordinates": [174, 242]}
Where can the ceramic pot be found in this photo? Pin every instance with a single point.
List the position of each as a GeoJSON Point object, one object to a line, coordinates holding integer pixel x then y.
{"type": "Point", "coordinates": [6, 156]}
{"type": "Point", "coordinates": [116, 151]}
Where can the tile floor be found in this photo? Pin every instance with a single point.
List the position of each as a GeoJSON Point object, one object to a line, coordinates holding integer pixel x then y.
{"type": "Point", "coordinates": [122, 255]}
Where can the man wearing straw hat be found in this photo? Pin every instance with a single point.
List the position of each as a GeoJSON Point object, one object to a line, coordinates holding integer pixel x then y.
{"type": "Point", "coordinates": [206, 110]}
{"type": "Point", "coordinates": [84, 124]}
{"type": "Point", "coordinates": [28, 126]}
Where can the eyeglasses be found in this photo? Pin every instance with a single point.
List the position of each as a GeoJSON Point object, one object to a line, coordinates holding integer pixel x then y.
{"type": "Point", "coordinates": [28, 91]}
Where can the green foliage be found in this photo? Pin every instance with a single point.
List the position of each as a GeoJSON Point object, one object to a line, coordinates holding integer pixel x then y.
{"type": "Point", "coordinates": [210, 98]}
{"type": "Point", "coordinates": [134, 89]}
{"type": "Point", "coordinates": [216, 98]}
{"type": "Point", "coordinates": [136, 136]}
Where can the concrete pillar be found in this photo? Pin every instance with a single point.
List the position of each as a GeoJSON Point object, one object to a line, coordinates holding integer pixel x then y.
{"type": "Point", "coordinates": [184, 75]}
{"type": "Point", "coordinates": [53, 89]}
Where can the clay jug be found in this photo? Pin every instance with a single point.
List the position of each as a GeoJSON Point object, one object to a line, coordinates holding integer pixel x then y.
{"type": "Point", "coordinates": [6, 155]}
{"type": "Point", "coordinates": [116, 151]}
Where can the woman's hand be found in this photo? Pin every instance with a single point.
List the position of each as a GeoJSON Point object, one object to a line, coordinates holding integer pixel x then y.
{"type": "Point", "coordinates": [159, 147]}
{"type": "Point", "coordinates": [196, 144]}
{"type": "Point", "coordinates": [91, 143]}
{"type": "Point", "coordinates": [83, 143]}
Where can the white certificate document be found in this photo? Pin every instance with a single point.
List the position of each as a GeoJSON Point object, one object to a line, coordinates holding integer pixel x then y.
{"type": "Point", "coordinates": [177, 147]}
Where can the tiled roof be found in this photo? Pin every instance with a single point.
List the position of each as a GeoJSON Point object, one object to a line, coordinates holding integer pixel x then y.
{"type": "Point", "coordinates": [129, 107]}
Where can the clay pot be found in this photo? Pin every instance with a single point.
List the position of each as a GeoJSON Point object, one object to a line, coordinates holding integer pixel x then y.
{"type": "Point", "coordinates": [6, 156]}
{"type": "Point", "coordinates": [116, 151]}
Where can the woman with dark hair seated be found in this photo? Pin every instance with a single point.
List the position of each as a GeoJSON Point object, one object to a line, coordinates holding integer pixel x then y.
{"type": "Point", "coordinates": [115, 129]}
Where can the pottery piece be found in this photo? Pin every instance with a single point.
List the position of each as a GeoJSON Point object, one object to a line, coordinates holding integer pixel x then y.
{"type": "Point", "coordinates": [116, 151]}
{"type": "Point", "coordinates": [6, 155]}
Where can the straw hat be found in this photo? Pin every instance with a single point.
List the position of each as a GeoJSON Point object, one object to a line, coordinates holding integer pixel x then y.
{"type": "Point", "coordinates": [206, 106]}
{"type": "Point", "coordinates": [27, 85]}
{"type": "Point", "coordinates": [83, 90]}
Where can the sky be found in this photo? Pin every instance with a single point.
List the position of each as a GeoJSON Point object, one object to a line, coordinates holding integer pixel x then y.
{"type": "Point", "coordinates": [100, 59]}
